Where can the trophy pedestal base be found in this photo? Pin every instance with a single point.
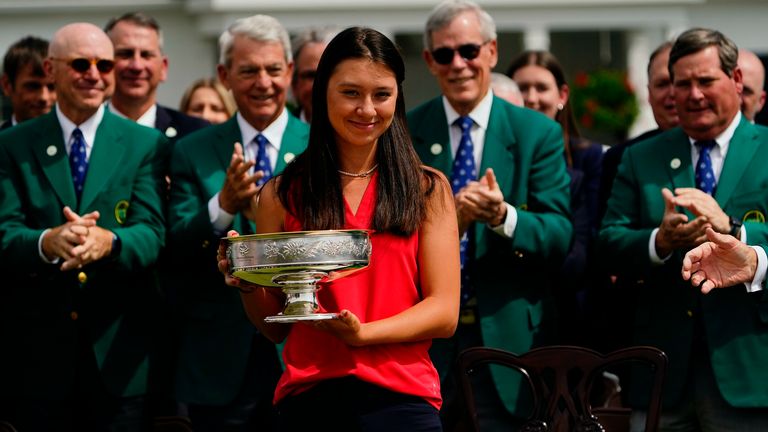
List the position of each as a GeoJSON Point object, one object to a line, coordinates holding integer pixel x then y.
{"type": "Point", "coordinates": [286, 319]}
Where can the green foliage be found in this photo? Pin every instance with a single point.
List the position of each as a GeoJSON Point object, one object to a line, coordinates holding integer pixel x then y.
{"type": "Point", "coordinates": [604, 101]}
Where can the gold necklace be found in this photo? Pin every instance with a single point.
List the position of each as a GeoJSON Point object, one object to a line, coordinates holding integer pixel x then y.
{"type": "Point", "coordinates": [359, 175]}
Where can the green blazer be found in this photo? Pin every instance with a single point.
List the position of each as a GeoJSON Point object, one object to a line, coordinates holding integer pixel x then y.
{"type": "Point", "coordinates": [735, 322]}
{"type": "Point", "coordinates": [216, 334]}
{"type": "Point", "coordinates": [42, 307]}
{"type": "Point", "coordinates": [511, 276]}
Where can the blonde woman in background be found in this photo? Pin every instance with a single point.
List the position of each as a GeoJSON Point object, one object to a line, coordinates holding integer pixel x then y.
{"type": "Point", "coordinates": [208, 99]}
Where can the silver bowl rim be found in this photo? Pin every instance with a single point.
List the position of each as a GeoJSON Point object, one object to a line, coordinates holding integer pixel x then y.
{"type": "Point", "coordinates": [296, 234]}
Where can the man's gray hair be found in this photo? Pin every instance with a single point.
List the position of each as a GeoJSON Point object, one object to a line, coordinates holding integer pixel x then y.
{"type": "Point", "coordinates": [698, 39]}
{"type": "Point", "coordinates": [262, 28]}
{"type": "Point", "coordinates": [442, 15]}
{"type": "Point", "coordinates": [501, 81]}
{"type": "Point", "coordinates": [310, 35]}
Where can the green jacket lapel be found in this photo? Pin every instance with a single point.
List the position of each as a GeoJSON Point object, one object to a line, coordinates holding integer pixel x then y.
{"type": "Point", "coordinates": [432, 132]}
{"type": "Point", "coordinates": [51, 153]}
{"type": "Point", "coordinates": [677, 160]}
{"type": "Point", "coordinates": [499, 140]}
{"type": "Point", "coordinates": [228, 135]}
{"type": "Point", "coordinates": [293, 143]}
{"type": "Point", "coordinates": [105, 160]}
{"type": "Point", "coordinates": [497, 154]}
{"type": "Point", "coordinates": [741, 150]}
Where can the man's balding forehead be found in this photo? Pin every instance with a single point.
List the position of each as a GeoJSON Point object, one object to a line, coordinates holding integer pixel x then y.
{"type": "Point", "coordinates": [71, 35]}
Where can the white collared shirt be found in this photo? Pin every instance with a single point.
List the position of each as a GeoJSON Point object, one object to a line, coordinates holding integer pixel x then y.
{"type": "Point", "coordinates": [88, 128]}
{"type": "Point", "coordinates": [717, 153]}
{"type": "Point", "coordinates": [148, 119]}
{"type": "Point", "coordinates": [273, 133]}
{"type": "Point", "coordinates": [481, 115]}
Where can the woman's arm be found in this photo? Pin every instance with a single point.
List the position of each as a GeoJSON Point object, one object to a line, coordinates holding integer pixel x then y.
{"type": "Point", "coordinates": [436, 315]}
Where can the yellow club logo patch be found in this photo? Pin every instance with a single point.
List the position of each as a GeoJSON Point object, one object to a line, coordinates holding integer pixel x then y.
{"type": "Point", "coordinates": [754, 216]}
{"type": "Point", "coordinates": [121, 211]}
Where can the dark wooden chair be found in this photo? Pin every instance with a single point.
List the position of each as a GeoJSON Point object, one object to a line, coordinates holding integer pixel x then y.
{"type": "Point", "coordinates": [6, 427]}
{"type": "Point", "coordinates": [561, 379]}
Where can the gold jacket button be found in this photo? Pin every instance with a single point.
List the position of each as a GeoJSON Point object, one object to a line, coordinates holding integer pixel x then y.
{"type": "Point", "coordinates": [689, 313]}
{"type": "Point", "coordinates": [82, 277]}
{"type": "Point", "coordinates": [518, 254]}
{"type": "Point", "coordinates": [206, 243]}
{"type": "Point", "coordinates": [73, 315]}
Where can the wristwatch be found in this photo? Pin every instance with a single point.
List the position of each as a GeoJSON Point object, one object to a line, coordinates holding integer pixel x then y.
{"type": "Point", "coordinates": [735, 226]}
{"type": "Point", "coordinates": [117, 245]}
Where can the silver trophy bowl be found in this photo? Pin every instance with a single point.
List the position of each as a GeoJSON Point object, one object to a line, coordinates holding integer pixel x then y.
{"type": "Point", "coordinates": [295, 262]}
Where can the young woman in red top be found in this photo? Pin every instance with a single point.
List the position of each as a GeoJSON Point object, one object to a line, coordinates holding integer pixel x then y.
{"type": "Point", "coordinates": [370, 369]}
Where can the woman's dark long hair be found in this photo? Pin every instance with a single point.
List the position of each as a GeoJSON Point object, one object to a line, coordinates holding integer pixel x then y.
{"type": "Point", "coordinates": [564, 116]}
{"type": "Point", "coordinates": [310, 186]}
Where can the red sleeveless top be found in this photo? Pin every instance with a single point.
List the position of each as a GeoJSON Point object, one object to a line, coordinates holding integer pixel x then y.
{"type": "Point", "coordinates": [386, 287]}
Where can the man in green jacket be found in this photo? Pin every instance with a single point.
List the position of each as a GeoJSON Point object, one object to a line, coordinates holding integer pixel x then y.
{"type": "Point", "coordinates": [81, 225]}
{"type": "Point", "coordinates": [512, 200]}
{"type": "Point", "coordinates": [227, 370]}
{"type": "Point", "coordinates": [707, 173]}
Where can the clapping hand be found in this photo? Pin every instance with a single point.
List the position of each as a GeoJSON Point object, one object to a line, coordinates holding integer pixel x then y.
{"type": "Point", "coordinates": [721, 262]}
{"type": "Point", "coordinates": [675, 231]}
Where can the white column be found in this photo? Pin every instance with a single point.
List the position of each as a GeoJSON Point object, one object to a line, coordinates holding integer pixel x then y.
{"type": "Point", "coordinates": [536, 38]}
{"type": "Point", "coordinates": [639, 47]}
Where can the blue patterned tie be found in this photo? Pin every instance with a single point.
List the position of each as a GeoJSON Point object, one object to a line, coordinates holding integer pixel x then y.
{"type": "Point", "coordinates": [78, 163]}
{"type": "Point", "coordinates": [705, 175]}
{"type": "Point", "coordinates": [262, 159]}
{"type": "Point", "coordinates": [464, 171]}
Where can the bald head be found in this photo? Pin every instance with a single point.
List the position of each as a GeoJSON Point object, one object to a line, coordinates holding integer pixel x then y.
{"type": "Point", "coordinates": [81, 92]}
{"type": "Point", "coordinates": [78, 36]}
{"type": "Point", "coordinates": [753, 72]}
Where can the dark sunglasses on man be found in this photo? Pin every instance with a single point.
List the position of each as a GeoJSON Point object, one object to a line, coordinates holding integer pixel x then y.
{"type": "Point", "coordinates": [82, 65]}
{"type": "Point", "coordinates": [468, 51]}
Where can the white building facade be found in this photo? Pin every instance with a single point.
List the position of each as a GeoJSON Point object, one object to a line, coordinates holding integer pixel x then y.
{"type": "Point", "coordinates": [581, 33]}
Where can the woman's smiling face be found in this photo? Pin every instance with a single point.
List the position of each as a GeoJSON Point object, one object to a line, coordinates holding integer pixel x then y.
{"type": "Point", "coordinates": [362, 95]}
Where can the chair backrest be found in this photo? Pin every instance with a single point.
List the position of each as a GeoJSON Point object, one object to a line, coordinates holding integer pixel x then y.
{"type": "Point", "coordinates": [172, 424]}
{"type": "Point", "coordinates": [561, 379]}
{"type": "Point", "coordinates": [6, 427]}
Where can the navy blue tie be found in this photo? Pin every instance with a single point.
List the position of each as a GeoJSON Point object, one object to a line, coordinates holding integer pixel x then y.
{"type": "Point", "coordinates": [262, 159]}
{"type": "Point", "coordinates": [464, 170]}
{"type": "Point", "coordinates": [705, 175]}
{"type": "Point", "coordinates": [78, 162]}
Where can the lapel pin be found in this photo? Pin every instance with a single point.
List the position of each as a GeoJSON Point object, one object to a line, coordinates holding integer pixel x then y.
{"type": "Point", "coordinates": [51, 150]}
{"type": "Point", "coordinates": [288, 157]}
{"type": "Point", "coordinates": [674, 163]}
{"type": "Point", "coordinates": [171, 132]}
{"type": "Point", "coordinates": [436, 149]}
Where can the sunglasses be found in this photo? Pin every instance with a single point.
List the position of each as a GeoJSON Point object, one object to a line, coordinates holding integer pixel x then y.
{"type": "Point", "coordinates": [445, 55]}
{"type": "Point", "coordinates": [82, 65]}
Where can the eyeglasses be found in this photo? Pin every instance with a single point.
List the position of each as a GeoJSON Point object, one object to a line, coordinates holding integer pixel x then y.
{"type": "Point", "coordinates": [82, 65]}
{"type": "Point", "coordinates": [445, 55]}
